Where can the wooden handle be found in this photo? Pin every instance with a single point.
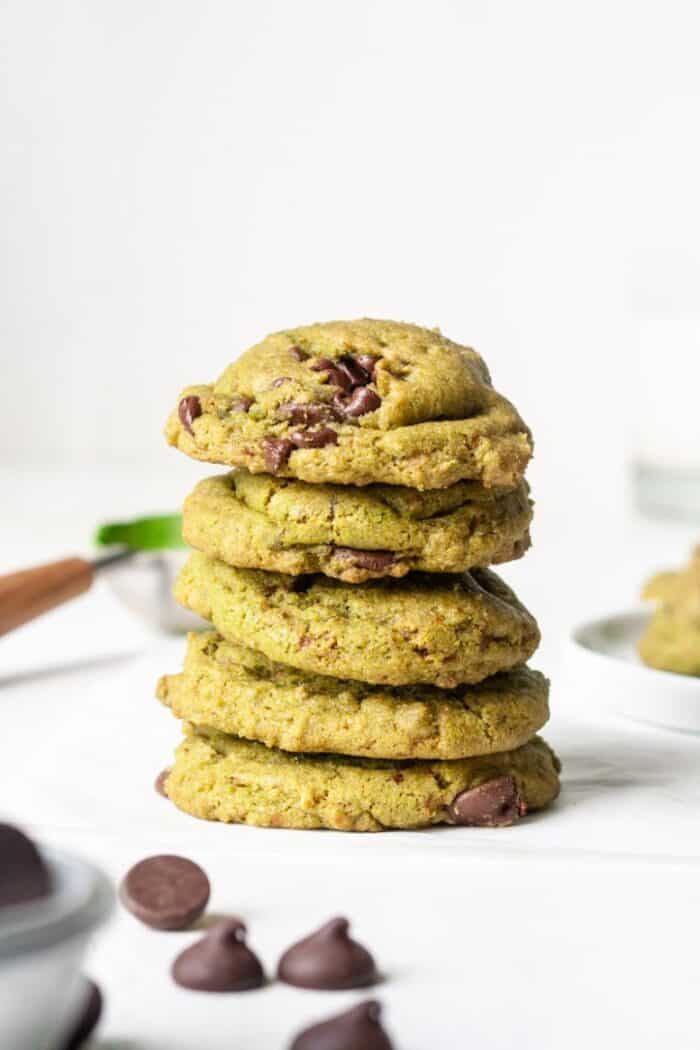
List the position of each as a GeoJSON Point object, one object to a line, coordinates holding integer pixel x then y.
{"type": "Point", "coordinates": [31, 592]}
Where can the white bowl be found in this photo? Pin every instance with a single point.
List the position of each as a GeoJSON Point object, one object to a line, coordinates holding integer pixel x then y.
{"type": "Point", "coordinates": [603, 664]}
{"type": "Point", "coordinates": [145, 584]}
{"type": "Point", "coordinates": [42, 944]}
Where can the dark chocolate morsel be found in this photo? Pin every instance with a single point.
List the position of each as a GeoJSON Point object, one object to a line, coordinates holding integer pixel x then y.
{"type": "Point", "coordinates": [307, 412]}
{"type": "Point", "coordinates": [220, 962]}
{"type": "Point", "coordinates": [189, 409]}
{"type": "Point", "coordinates": [367, 362]}
{"type": "Point", "coordinates": [328, 959]}
{"type": "Point", "coordinates": [242, 404]}
{"type": "Point", "coordinates": [23, 874]}
{"type": "Point", "coordinates": [87, 1020]}
{"type": "Point", "coordinates": [351, 367]}
{"type": "Point", "coordinates": [357, 1029]}
{"type": "Point", "coordinates": [159, 782]}
{"type": "Point", "coordinates": [298, 354]}
{"type": "Point", "coordinates": [495, 804]}
{"type": "Point", "coordinates": [375, 561]}
{"type": "Point", "coordinates": [276, 452]}
{"type": "Point", "coordinates": [361, 401]}
{"type": "Point", "coordinates": [166, 892]}
{"type": "Point", "coordinates": [336, 376]}
{"type": "Point", "coordinates": [314, 438]}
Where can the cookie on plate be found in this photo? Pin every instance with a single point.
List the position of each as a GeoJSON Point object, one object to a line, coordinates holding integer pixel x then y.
{"type": "Point", "coordinates": [356, 402]}
{"type": "Point", "coordinates": [671, 642]}
{"type": "Point", "coordinates": [439, 629]}
{"type": "Point", "coordinates": [238, 691]}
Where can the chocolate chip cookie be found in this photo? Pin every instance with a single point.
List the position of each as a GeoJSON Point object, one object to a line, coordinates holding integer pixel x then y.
{"type": "Point", "coordinates": [356, 402]}
{"type": "Point", "coordinates": [671, 642]}
{"type": "Point", "coordinates": [439, 629]}
{"type": "Point", "coordinates": [239, 691]}
{"type": "Point", "coordinates": [257, 521]}
{"type": "Point", "coordinates": [220, 777]}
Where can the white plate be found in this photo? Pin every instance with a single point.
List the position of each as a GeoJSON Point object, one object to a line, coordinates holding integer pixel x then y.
{"type": "Point", "coordinates": [602, 659]}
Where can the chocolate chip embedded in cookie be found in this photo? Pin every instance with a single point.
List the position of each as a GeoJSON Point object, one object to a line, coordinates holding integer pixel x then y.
{"type": "Point", "coordinates": [219, 777]}
{"type": "Point", "coordinates": [495, 804]}
{"type": "Point", "coordinates": [405, 405]}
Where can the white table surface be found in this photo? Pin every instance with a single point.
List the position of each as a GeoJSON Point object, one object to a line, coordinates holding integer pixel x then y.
{"type": "Point", "coordinates": [576, 928]}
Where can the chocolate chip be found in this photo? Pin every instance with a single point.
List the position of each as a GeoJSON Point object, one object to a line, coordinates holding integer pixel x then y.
{"type": "Point", "coordinates": [357, 1029]}
{"type": "Point", "coordinates": [23, 874]}
{"type": "Point", "coordinates": [298, 354]}
{"type": "Point", "coordinates": [351, 367]}
{"type": "Point", "coordinates": [307, 412]}
{"type": "Point", "coordinates": [375, 561]}
{"type": "Point", "coordinates": [159, 782]}
{"type": "Point", "coordinates": [219, 962]}
{"type": "Point", "coordinates": [189, 409]}
{"type": "Point", "coordinates": [276, 452]}
{"type": "Point", "coordinates": [166, 892]}
{"type": "Point", "coordinates": [279, 382]}
{"type": "Point", "coordinates": [360, 402]}
{"type": "Point", "coordinates": [242, 404]}
{"type": "Point", "coordinates": [328, 959]}
{"type": "Point", "coordinates": [367, 362]}
{"type": "Point", "coordinates": [314, 438]}
{"type": "Point", "coordinates": [495, 804]}
{"type": "Point", "coordinates": [87, 1020]}
{"type": "Point", "coordinates": [336, 376]}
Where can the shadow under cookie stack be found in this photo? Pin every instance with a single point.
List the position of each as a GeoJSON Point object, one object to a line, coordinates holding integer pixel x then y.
{"type": "Point", "coordinates": [366, 670]}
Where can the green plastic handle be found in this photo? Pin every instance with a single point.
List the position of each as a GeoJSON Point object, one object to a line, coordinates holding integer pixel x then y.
{"type": "Point", "coordinates": [161, 532]}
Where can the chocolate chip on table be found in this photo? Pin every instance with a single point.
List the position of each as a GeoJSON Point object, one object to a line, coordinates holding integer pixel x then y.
{"type": "Point", "coordinates": [374, 561]}
{"type": "Point", "coordinates": [159, 782]}
{"type": "Point", "coordinates": [495, 804]}
{"type": "Point", "coordinates": [359, 1028]}
{"type": "Point", "coordinates": [350, 367]}
{"type": "Point", "coordinates": [360, 402]}
{"type": "Point", "coordinates": [23, 874]}
{"type": "Point", "coordinates": [220, 962]}
{"type": "Point", "coordinates": [242, 404]}
{"type": "Point", "coordinates": [166, 892]}
{"type": "Point", "coordinates": [328, 959]}
{"type": "Point", "coordinates": [276, 452]}
{"type": "Point", "coordinates": [87, 1020]}
{"type": "Point", "coordinates": [307, 412]}
{"type": "Point", "coordinates": [298, 354]}
{"type": "Point", "coordinates": [189, 409]}
{"type": "Point", "coordinates": [314, 438]}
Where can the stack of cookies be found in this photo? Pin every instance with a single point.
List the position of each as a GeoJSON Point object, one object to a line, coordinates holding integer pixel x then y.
{"type": "Point", "coordinates": [365, 670]}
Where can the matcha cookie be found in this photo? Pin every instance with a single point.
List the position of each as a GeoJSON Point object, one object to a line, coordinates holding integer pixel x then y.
{"type": "Point", "coordinates": [443, 630]}
{"type": "Point", "coordinates": [356, 402]}
{"type": "Point", "coordinates": [671, 642]}
{"type": "Point", "coordinates": [256, 521]}
{"type": "Point", "coordinates": [236, 690]}
{"type": "Point", "coordinates": [219, 777]}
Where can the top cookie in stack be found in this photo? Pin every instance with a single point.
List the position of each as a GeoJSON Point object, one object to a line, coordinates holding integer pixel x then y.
{"type": "Point", "coordinates": [378, 454]}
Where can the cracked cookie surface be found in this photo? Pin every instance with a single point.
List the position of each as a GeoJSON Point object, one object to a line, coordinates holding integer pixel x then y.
{"type": "Point", "coordinates": [236, 690]}
{"type": "Point", "coordinates": [439, 629]}
{"type": "Point", "coordinates": [219, 777]}
{"type": "Point", "coordinates": [257, 521]}
{"type": "Point", "coordinates": [356, 402]}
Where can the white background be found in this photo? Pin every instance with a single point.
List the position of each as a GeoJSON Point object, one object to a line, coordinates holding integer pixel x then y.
{"type": "Point", "coordinates": [180, 178]}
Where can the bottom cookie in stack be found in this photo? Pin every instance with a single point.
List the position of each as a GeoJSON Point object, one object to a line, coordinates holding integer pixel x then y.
{"type": "Point", "coordinates": [323, 752]}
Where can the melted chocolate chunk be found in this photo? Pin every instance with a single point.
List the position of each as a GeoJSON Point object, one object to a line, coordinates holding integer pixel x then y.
{"type": "Point", "coordinates": [220, 962]}
{"type": "Point", "coordinates": [495, 804]}
{"type": "Point", "coordinates": [375, 561]}
{"type": "Point", "coordinates": [23, 875]}
{"type": "Point", "coordinates": [88, 1019]}
{"type": "Point", "coordinates": [357, 1029]}
{"type": "Point", "coordinates": [336, 376]}
{"type": "Point", "coordinates": [367, 362]}
{"type": "Point", "coordinates": [276, 452]}
{"type": "Point", "coordinates": [314, 438]}
{"type": "Point", "coordinates": [166, 892]}
{"type": "Point", "coordinates": [307, 412]}
{"type": "Point", "coordinates": [242, 404]}
{"type": "Point", "coordinates": [159, 782]}
{"type": "Point", "coordinates": [328, 959]}
{"type": "Point", "coordinates": [298, 354]}
{"type": "Point", "coordinates": [351, 367]}
{"type": "Point", "coordinates": [189, 409]}
{"type": "Point", "coordinates": [360, 402]}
